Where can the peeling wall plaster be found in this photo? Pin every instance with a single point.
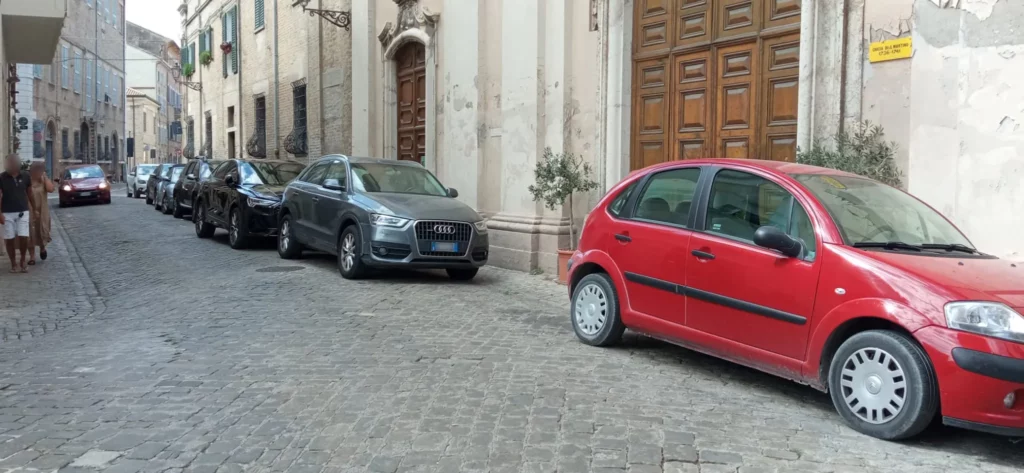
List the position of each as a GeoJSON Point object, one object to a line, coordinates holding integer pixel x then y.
{"type": "Point", "coordinates": [955, 109]}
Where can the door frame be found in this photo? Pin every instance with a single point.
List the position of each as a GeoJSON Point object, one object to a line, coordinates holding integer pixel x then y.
{"type": "Point", "coordinates": [391, 95]}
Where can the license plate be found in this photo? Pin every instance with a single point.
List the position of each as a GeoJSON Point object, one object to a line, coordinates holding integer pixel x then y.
{"type": "Point", "coordinates": [86, 194]}
{"type": "Point", "coordinates": [444, 246]}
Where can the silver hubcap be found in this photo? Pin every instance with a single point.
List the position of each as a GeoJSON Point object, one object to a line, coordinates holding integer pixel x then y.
{"type": "Point", "coordinates": [348, 252]}
{"type": "Point", "coordinates": [284, 235]}
{"type": "Point", "coordinates": [873, 385]}
{"type": "Point", "coordinates": [591, 309]}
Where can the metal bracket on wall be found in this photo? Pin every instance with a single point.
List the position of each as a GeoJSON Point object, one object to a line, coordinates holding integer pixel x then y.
{"type": "Point", "coordinates": [341, 19]}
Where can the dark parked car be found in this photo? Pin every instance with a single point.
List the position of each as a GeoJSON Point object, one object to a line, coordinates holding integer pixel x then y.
{"type": "Point", "coordinates": [196, 172]}
{"type": "Point", "coordinates": [164, 197]}
{"type": "Point", "coordinates": [376, 213]}
{"type": "Point", "coordinates": [154, 179]}
{"type": "Point", "coordinates": [243, 196]}
{"type": "Point", "coordinates": [83, 183]}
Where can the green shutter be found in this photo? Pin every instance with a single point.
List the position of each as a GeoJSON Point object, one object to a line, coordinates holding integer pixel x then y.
{"type": "Point", "coordinates": [224, 38]}
{"type": "Point", "coordinates": [234, 40]}
{"type": "Point", "coordinates": [203, 45]}
{"type": "Point", "coordinates": [259, 14]}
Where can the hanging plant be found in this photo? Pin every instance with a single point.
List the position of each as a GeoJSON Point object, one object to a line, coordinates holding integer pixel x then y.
{"type": "Point", "coordinates": [225, 47]}
{"type": "Point", "coordinates": [187, 70]}
{"type": "Point", "coordinates": [205, 58]}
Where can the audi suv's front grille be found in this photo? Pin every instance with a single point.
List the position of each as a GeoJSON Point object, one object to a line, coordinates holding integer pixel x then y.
{"type": "Point", "coordinates": [431, 232]}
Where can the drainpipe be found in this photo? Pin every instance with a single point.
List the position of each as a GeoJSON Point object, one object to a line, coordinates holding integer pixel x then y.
{"type": "Point", "coordinates": [277, 93]}
{"type": "Point", "coordinates": [320, 74]}
{"type": "Point", "coordinates": [805, 107]}
{"type": "Point", "coordinates": [240, 133]}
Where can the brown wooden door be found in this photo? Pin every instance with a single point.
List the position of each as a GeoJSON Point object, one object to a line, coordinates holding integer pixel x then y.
{"type": "Point", "coordinates": [412, 102]}
{"type": "Point", "coordinates": [714, 78]}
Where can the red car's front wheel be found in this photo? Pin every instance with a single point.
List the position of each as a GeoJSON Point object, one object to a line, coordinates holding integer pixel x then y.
{"type": "Point", "coordinates": [594, 312]}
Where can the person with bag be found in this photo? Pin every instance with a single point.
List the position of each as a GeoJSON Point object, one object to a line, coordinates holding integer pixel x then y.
{"type": "Point", "coordinates": [15, 210]}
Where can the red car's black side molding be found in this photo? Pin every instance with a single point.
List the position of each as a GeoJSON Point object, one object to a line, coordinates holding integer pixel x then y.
{"type": "Point", "coordinates": [719, 299]}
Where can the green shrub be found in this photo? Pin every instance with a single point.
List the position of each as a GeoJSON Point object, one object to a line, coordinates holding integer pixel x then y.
{"type": "Point", "coordinates": [863, 151]}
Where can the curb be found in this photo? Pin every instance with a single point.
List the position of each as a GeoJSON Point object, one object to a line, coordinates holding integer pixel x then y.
{"type": "Point", "coordinates": [78, 271]}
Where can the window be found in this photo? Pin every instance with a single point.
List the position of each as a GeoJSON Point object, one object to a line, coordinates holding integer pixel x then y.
{"type": "Point", "coordinates": [231, 117]}
{"type": "Point", "coordinates": [117, 91]}
{"type": "Point", "coordinates": [615, 208]}
{"type": "Point", "coordinates": [224, 169]}
{"type": "Point", "coordinates": [337, 171]}
{"type": "Point", "coordinates": [78, 72]}
{"type": "Point", "coordinates": [260, 12]}
{"type": "Point", "coordinates": [99, 82]}
{"type": "Point", "coordinates": [65, 68]}
{"type": "Point", "coordinates": [299, 105]}
{"type": "Point", "coordinates": [268, 173]}
{"type": "Point", "coordinates": [315, 173]}
{"type": "Point", "coordinates": [669, 196]}
{"type": "Point", "coordinates": [204, 41]}
{"type": "Point", "coordinates": [116, 11]}
{"type": "Point", "coordinates": [261, 121]}
{"type": "Point", "coordinates": [191, 132]}
{"type": "Point", "coordinates": [741, 203]}
{"type": "Point", "coordinates": [53, 72]}
{"type": "Point", "coordinates": [65, 149]}
{"type": "Point", "coordinates": [37, 71]}
{"type": "Point", "coordinates": [88, 84]}
{"type": "Point", "coordinates": [78, 144]}
{"type": "Point", "coordinates": [234, 40]}
{"type": "Point", "coordinates": [209, 130]}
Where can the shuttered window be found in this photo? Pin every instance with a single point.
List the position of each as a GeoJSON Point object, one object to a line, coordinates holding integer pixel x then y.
{"type": "Point", "coordinates": [259, 14]}
{"type": "Point", "coordinates": [234, 40]}
{"type": "Point", "coordinates": [204, 44]}
{"type": "Point", "coordinates": [224, 22]}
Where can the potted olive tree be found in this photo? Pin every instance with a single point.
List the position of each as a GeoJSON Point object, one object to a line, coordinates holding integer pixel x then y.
{"type": "Point", "coordinates": [558, 176]}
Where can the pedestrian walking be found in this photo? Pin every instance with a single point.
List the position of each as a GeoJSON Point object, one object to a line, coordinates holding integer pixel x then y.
{"type": "Point", "coordinates": [15, 210]}
{"type": "Point", "coordinates": [39, 223]}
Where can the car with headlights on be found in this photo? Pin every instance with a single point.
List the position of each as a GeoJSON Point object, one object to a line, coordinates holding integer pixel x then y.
{"type": "Point", "coordinates": [138, 179]}
{"type": "Point", "coordinates": [196, 172]}
{"type": "Point", "coordinates": [164, 197]}
{"type": "Point", "coordinates": [378, 213]}
{"type": "Point", "coordinates": [83, 183]}
{"type": "Point", "coordinates": [827, 278]}
{"type": "Point", "coordinates": [158, 175]}
{"type": "Point", "coordinates": [243, 196]}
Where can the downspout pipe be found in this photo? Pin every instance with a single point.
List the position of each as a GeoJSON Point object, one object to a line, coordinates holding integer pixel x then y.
{"type": "Point", "coordinates": [805, 105]}
{"type": "Point", "coordinates": [277, 92]}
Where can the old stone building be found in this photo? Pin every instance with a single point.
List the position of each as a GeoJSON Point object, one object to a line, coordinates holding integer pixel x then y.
{"type": "Point", "coordinates": [475, 90]}
{"type": "Point", "coordinates": [152, 61]}
{"type": "Point", "coordinates": [75, 105]}
{"type": "Point", "coordinates": [272, 81]}
{"type": "Point", "coordinates": [29, 34]}
{"type": "Point", "coordinates": [144, 114]}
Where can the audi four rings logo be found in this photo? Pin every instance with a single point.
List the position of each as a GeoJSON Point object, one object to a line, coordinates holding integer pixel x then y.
{"type": "Point", "coordinates": [444, 229]}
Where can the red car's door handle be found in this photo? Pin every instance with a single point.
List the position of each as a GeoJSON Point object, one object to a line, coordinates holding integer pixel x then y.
{"type": "Point", "coordinates": [702, 254]}
{"type": "Point", "coordinates": [623, 238]}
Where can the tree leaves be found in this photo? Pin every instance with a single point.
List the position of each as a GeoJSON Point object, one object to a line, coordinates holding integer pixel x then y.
{"type": "Point", "coordinates": [558, 177]}
{"type": "Point", "coordinates": [863, 151]}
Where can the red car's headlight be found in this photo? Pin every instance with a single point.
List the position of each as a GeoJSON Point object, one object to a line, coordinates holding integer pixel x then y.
{"type": "Point", "coordinates": [66, 188]}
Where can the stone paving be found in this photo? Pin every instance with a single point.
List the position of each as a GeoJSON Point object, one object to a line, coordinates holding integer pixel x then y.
{"type": "Point", "coordinates": [191, 356]}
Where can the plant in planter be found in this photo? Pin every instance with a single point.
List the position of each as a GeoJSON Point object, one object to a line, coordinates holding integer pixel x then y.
{"type": "Point", "coordinates": [558, 176]}
{"type": "Point", "coordinates": [205, 58]}
{"type": "Point", "coordinates": [862, 151]}
{"type": "Point", "coordinates": [187, 70]}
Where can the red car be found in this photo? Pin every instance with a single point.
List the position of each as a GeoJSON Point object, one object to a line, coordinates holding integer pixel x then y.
{"type": "Point", "coordinates": [819, 276]}
{"type": "Point", "coordinates": [84, 183]}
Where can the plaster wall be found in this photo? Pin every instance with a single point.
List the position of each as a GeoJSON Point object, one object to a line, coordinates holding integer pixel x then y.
{"type": "Point", "coordinates": [955, 109]}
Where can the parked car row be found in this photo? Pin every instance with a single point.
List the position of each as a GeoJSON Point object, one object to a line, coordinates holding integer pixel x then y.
{"type": "Point", "coordinates": [369, 213]}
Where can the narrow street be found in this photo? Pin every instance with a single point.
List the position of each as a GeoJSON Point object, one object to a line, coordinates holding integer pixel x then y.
{"type": "Point", "coordinates": [138, 347]}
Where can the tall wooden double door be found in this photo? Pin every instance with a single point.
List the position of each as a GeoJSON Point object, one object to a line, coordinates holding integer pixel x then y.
{"type": "Point", "coordinates": [412, 102]}
{"type": "Point", "coordinates": [714, 78]}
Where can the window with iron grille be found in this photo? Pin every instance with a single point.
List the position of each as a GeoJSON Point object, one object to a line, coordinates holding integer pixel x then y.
{"type": "Point", "coordinates": [191, 131]}
{"type": "Point", "coordinates": [259, 15]}
{"type": "Point", "coordinates": [299, 104]}
{"type": "Point", "coordinates": [65, 148]}
{"type": "Point", "coordinates": [209, 131]}
{"type": "Point", "coordinates": [261, 120]}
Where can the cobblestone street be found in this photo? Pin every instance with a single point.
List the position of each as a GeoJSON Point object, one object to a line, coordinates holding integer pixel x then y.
{"type": "Point", "coordinates": [138, 347]}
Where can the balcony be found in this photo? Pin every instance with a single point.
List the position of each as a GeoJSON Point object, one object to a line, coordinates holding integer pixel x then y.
{"type": "Point", "coordinates": [32, 29]}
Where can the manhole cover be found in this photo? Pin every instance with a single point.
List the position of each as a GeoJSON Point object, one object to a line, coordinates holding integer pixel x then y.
{"type": "Point", "coordinates": [280, 269]}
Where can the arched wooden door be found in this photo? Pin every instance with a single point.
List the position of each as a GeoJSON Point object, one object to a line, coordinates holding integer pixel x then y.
{"type": "Point", "coordinates": [714, 78]}
{"type": "Point", "coordinates": [412, 102]}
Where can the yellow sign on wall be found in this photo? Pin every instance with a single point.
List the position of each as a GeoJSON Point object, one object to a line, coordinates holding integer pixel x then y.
{"type": "Point", "coordinates": [900, 48]}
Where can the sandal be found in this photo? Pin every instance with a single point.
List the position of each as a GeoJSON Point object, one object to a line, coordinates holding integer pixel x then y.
{"type": "Point", "coordinates": [24, 269]}
{"type": "Point", "coordinates": [32, 262]}
{"type": "Point", "coordinates": [42, 255]}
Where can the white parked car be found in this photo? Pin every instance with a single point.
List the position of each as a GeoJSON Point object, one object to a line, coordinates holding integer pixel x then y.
{"type": "Point", "coordinates": [138, 178]}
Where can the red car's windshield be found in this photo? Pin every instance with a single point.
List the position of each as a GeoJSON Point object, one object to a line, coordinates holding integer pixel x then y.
{"type": "Point", "coordinates": [867, 211]}
{"type": "Point", "coordinates": [86, 173]}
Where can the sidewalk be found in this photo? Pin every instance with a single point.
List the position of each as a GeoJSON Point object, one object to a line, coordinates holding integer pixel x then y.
{"type": "Point", "coordinates": [49, 297]}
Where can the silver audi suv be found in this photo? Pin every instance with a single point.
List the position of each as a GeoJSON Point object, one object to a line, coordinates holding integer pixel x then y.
{"type": "Point", "coordinates": [380, 213]}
